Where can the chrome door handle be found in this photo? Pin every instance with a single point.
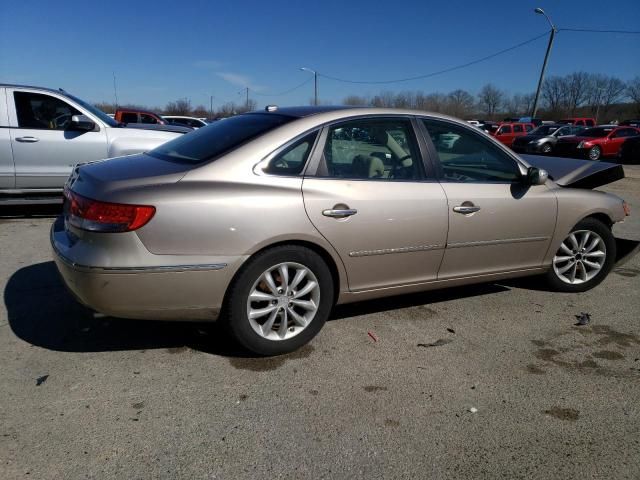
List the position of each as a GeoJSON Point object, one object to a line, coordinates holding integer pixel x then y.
{"type": "Point", "coordinates": [27, 139]}
{"type": "Point", "coordinates": [465, 209]}
{"type": "Point", "coordinates": [339, 213]}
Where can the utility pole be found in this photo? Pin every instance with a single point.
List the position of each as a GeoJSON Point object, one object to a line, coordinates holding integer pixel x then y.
{"type": "Point", "coordinates": [211, 107]}
{"type": "Point", "coordinates": [247, 102]}
{"type": "Point", "coordinates": [315, 83]}
{"type": "Point", "coordinates": [546, 59]}
{"type": "Point", "coordinates": [115, 90]}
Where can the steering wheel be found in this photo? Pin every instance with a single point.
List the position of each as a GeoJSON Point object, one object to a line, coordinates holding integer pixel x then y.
{"type": "Point", "coordinates": [458, 177]}
{"type": "Point", "coordinates": [61, 121]}
{"type": "Point", "coordinates": [280, 163]}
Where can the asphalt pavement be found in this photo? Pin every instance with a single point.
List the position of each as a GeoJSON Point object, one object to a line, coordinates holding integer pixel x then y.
{"type": "Point", "coordinates": [487, 381]}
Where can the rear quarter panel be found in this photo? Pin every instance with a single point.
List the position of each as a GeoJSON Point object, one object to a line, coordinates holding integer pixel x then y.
{"type": "Point", "coordinates": [229, 218]}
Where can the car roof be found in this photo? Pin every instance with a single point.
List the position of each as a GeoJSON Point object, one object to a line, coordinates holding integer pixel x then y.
{"type": "Point", "coordinates": [305, 111]}
{"type": "Point", "coordinates": [138, 110]}
{"type": "Point", "coordinates": [14, 85]}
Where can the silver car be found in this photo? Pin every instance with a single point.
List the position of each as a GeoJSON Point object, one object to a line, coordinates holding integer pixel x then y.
{"type": "Point", "coordinates": [268, 219]}
{"type": "Point", "coordinates": [44, 133]}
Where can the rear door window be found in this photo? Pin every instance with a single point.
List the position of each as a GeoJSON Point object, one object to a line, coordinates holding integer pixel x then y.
{"type": "Point", "coordinates": [504, 129]}
{"type": "Point", "coordinates": [517, 129]}
{"type": "Point", "coordinates": [372, 149]}
{"type": "Point", "coordinates": [590, 123]}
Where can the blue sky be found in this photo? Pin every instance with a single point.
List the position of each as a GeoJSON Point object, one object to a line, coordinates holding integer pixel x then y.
{"type": "Point", "coordinates": [164, 50]}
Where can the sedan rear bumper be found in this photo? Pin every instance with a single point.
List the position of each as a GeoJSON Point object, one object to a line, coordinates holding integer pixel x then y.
{"type": "Point", "coordinates": [152, 291]}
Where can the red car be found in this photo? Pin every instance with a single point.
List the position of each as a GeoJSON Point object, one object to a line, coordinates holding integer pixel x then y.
{"type": "Point", "coordinates": [580, 121]}
{"type": "Point", "coordinates": [594, 143]}
{"type": "Point", "coordinates": [508, 131]}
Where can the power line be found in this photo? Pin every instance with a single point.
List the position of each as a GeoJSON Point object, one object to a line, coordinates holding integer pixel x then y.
{"type": "Point", "coordinates": [285, 92]}
{"type": "Point", "coordinates": [590, 30]}
{"type": "Point", "coordinates": [439, 72]}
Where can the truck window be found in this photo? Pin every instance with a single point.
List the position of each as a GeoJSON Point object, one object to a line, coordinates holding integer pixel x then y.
{"type": "Point", "coordinates": [144, 118]}
{"type": "Point", "coordinates": [129, 117]}
{"type": "Point", "coordinates": [36, 110]}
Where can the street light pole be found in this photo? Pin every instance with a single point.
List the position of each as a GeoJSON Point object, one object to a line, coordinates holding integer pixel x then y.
{"type": "Point", "coordinates": [546, 59]}
{"type": "Point", "coordinates": [315, 83]}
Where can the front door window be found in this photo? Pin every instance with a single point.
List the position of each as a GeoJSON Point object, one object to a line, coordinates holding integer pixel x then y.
{"type": "Point", "coordinates": [39, 111]}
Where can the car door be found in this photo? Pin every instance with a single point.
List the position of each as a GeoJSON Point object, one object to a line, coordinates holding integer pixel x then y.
{"type": "Point", "coordinates": [7, 168]}
{"type": "Point", "coordinates": [44, 149]}
{"type": "Point", "coordinates": [373, 199]}
{"type": "Point", "coordinates": [518, 131]}
{"type": "Point", "coordinates": [505, 134]}
{"type": "Point", "coordinates": [614, 141]}
{"type": "Point", "coordinates": [497, 222]}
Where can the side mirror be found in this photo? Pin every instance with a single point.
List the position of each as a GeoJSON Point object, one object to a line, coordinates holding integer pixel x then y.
{"type": "Point", "coordinates": [81, 123]}
{"type": "Point", "coordinates": [537, 176]}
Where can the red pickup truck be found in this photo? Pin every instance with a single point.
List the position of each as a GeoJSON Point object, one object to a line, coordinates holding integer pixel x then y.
{"type": "Point", "coordinates": [129, 115]}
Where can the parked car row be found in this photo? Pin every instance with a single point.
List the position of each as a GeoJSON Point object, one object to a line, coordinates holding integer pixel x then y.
{"type": "Point", "coordinates": [577, 137]}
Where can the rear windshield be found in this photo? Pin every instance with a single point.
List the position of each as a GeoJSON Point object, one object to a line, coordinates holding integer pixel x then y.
{"type": "Point", "coordinates": [596, 132]}
{"type": "Point", "coordinates": [218, 138]}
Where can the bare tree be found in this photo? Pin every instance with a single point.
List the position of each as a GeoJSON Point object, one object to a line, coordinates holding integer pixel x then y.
{"type": "Point", "coordinates": [520, 104]}
{"type": "Point", "coordinates": [384, 99]}
{"type": "Point", "coordinates": [106, 107]}
{"type": "Point", "coordinates": [200, 111]}
{"type": "Point", "coordinates": [554, 92]}
{"type": "Point", "coordinates": [247, 106]}
{"type": "Point", "coordinates": [181, 106]}
{"type": "Point", "coordinates": [435, 102]}
{"type": "Point", "coordinates": [460, 103]}
{"type": "Point", "coordinates": [577, 90]}
{"type": "Point", "coordinates": [229, 109]}
{"type": "Point", "coordinates": [490, 99]}
{"type": "Point", "coordinates": [633, 92]}
{"type": "Point", "coordinates": [355, 100]}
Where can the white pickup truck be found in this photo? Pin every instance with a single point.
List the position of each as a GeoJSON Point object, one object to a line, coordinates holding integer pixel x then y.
{"type": "Point", "coordinates": [44, 133]}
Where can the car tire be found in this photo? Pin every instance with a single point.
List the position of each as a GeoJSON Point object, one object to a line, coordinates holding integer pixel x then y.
{"type": "Point", "coordinates": [546, 148]}
{"type": "Point", "coordinates": [594, 153]}
{"type": "Point", "coordinates": [267, 292]}
{"type": "Point", "coordinates": [584, 258]}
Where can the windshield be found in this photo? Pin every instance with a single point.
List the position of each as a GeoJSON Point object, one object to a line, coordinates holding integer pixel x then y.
{"type": "Point", "coordinates": [95, 111]}
{"type": "Point", "coordinates": [596, 132]}
{"type": "Point", "coordinates": [218, 138]}
{"type": "Point", "coordinates": [543, 130]}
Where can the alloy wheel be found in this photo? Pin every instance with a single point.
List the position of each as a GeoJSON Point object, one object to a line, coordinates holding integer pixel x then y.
{"type": "Point", "coordinates": [581, 257]}
{"type": "Point", "coordinates": [594, 153]}
{"type": "Point", "coordinates": [283, 301]}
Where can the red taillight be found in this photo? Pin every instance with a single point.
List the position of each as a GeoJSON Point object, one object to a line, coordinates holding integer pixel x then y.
{"type": "Point", "coordinates": [89, 214]}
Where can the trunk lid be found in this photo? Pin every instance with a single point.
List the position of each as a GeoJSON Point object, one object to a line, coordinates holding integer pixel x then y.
{"type": "Point", "coordinates": [98, 179]}
{"type": "Point", "coordinates": [576, 173]}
